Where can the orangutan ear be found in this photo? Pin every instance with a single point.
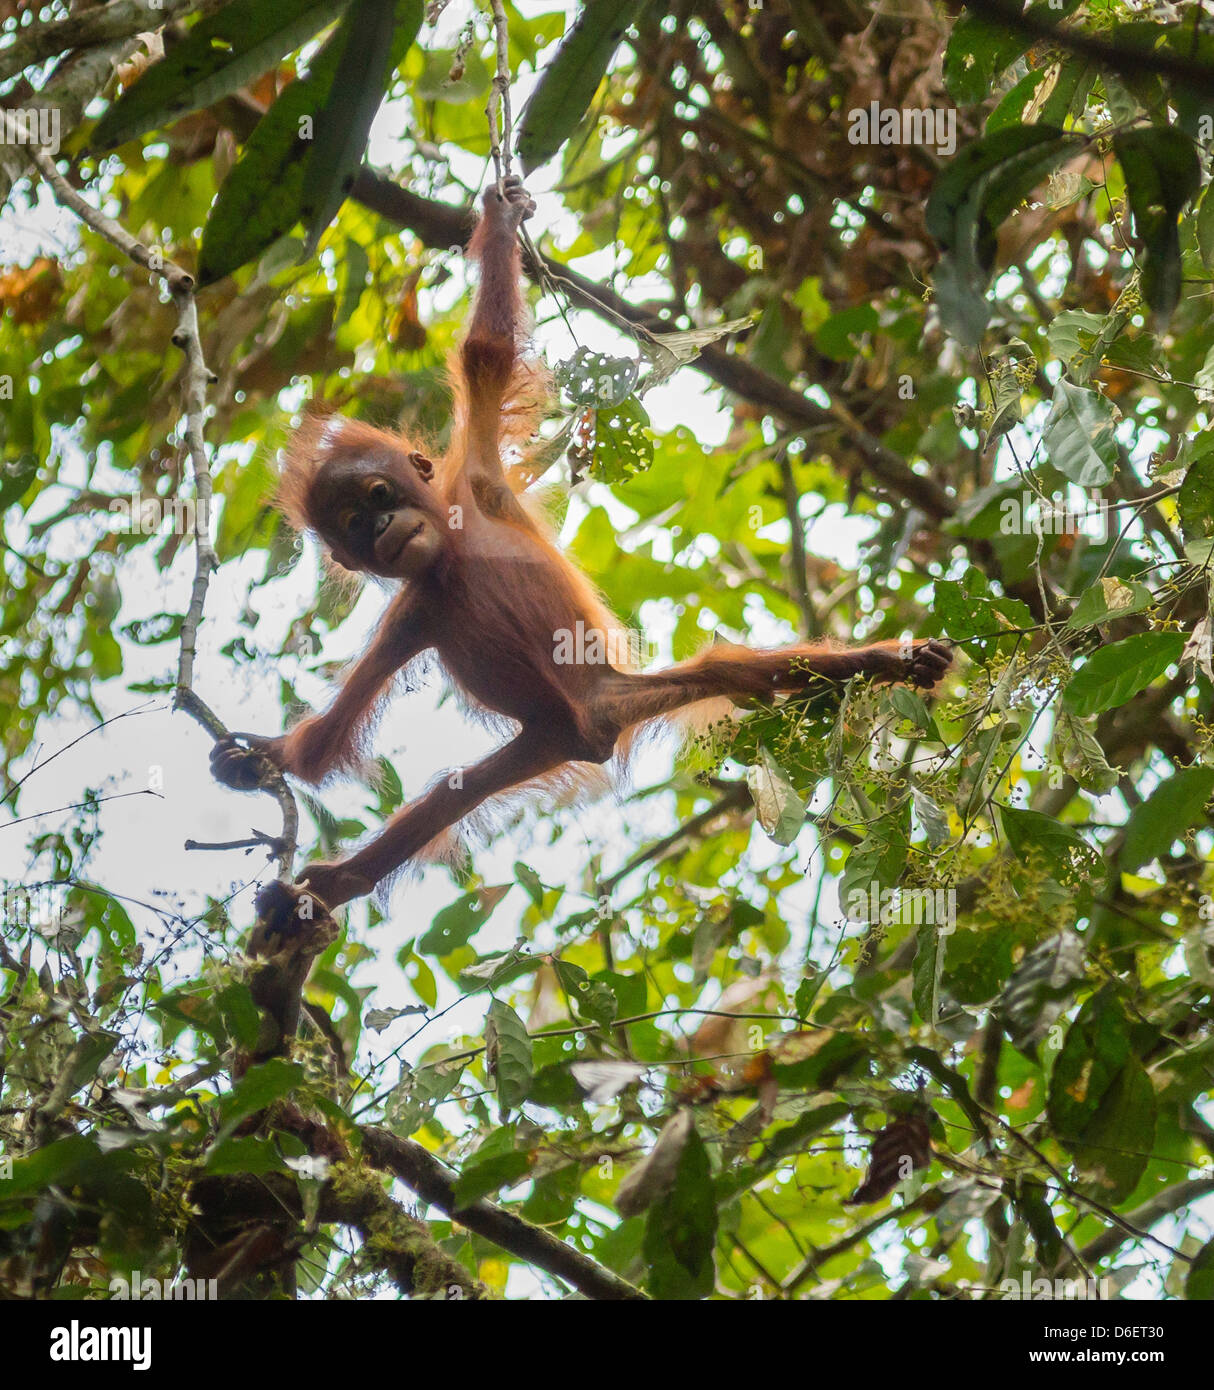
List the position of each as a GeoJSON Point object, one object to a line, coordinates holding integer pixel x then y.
{"type": "Point", "coordinates": [424, 467]}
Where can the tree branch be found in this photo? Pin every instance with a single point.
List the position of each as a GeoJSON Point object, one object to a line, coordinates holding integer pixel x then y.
{"type": "Point", "coordinates": [121, 19]}
{"type": "Point", "coordinates": [419, 1170]}
{"type": "Point", "coordinates": [1110, 55]}
{"type": "Point", "coordinates": [1144, 1217]}
{"type": "Point", "coordinates": [439, 225]}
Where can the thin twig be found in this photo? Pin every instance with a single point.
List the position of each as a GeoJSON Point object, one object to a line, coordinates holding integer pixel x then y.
{"type": "Point", "coordinates": [80, 806]}
{"type": "Point", "coordinates": [271, 843]}
{"type": "Point", "coordinates": [797, 558]}
{"type": "Point", "coordinates": [38, 766]}
{"type": "Point", "coordinates": [733, 800]}
{"type": "Point", "coordinates": [499, 97]}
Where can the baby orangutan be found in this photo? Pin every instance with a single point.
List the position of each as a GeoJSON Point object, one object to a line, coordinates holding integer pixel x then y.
{"type": "Point", "coordinates": [483, 585]}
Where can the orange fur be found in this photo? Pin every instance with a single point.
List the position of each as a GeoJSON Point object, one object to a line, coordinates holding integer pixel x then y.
{"type": "Point", "coordinates": [488, 589]}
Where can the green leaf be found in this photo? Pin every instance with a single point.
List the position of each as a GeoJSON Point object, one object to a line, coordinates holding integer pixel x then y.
{"type": "Point", "coordinates": [1192, 98]}
{"type": "Point", "coordinates": [927, 972]}
{"type": "Point", "coordinates": [1196, 497]}
{"type": "Point", "coordinates": [1162, 172]}
{"type": "Point", "coordinates": [1205, 227]}
{"type": "Point", "coordinates": [681, 1229]}
{"type": "Point", "coordinates": [95, 1048]}
{"type": "Point", "coordinates": [1171, 809]}
{"type": "Point", "coordinates": [1041, 988]}
{"type": "Point", "coordinates": [878, 859]}
{"type": "Point", "coordinates": [1080, 753]}
{"type": "Point", "coordinates": [239, 1013]}
{"type": "Point", "coordinates": [454, 925]}
{"type": "Point", "coordinates": [1116, 673]}
{"type": "Point", "coordinates": [379, 1019]}
{"type": "Point", "coordinates": [246, 513]}
{"type": "Point", "coordinates": [54, 1163]}
{"type": "Point", "coordinates": [1200, 553]}
{"type": "Point", "coordinates": [1079, 435]}
{"type": "Point", "coordinates": [780, 811]}
{"type": "Point", "coordinates": [1117, 1142]}
{"type": "Point", "coordinates": [1082, 340]}
{"type": "Point", "coordinates": [622, 444]}
{"type": "Point", "coordinates": [1031, 1203]}
{"type": "Point", "coordinates": [974, 194]}
{"type": "Point", "coordinates": [248, 1154]}
{"type": "Point", "coordinates": [419, 1094]}
{"type": "Point", "coordinates": [1199, 1283]}
{"type": "Point", "coordinates": [15, 477]}
{"type": "Point", "coordinates": [496, 969]}
{"type": "Point", "coordinates": [343, 125]}
{"type": "Point", "coordinates": [913, 708]}
{"type": "Point", "coordinates": [966, 608]}
{"type": "Point", "coordinates": [244, 222]}
{"type": "Point", "coordinates": [479, 1179]}
{"type": "Point", "coordinates": [964, 611]}
{"type": "Point", "coordinates": [978, 50]}
{"type": "Point", "coordinates": [356, 271]}
{"type": "Point", "coordinates": [807, 992]}
{"type": "Point", "coordinates": [1010, 111]}
{"type": "Point", "coordinates": [597, 379]}
{"type": "Point", "coordinates": [569, 82]}
{"type": "Point", "coordinates": [531, 882]}
{"type": "Point", "coordinates": [769, 346]}
{"type": "Point", "coordinates": [217, 57]}
{"type": "Point", "coordinates": [1061, 846]}
{"type": "Point", "coordinates": [1045, 95]}
{"type": "Point", "coordinates": [1095, 1049]}
{"type": "Point", "coordinates": [1072, 333]}
{"type": "Point", "coordinates": [507, 1054]}
{"type": "Point", "coordinates": [255, 1090]}
{"type": "Point", "coordinates": [554, 1086]}
{"type": "Point", "coordinates": [841, 336]}
{"type": "Point", "coordinates": [960, 293]}
{"type": "Point", "coordinates": [1109, 599]}
{"type": "Point", "coordinates": [815, 1061]}
{"type": "Point", "coordinates": [592, 999]}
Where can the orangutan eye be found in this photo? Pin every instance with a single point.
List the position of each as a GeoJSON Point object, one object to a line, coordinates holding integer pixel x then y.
{"type": "Point", "coordinates": [379, 493]}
